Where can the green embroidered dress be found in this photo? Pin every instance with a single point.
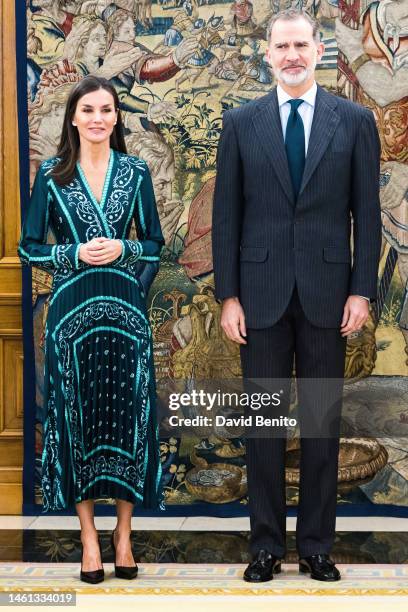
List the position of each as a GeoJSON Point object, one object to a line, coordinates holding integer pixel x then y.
{"type": "Point", "coordinates": [100, 432]}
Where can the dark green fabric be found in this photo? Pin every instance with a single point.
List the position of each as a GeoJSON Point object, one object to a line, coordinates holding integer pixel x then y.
{"type": "Point", "coordinates": [100, 432]}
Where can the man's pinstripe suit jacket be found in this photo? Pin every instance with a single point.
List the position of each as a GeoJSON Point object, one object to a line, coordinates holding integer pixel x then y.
{"type": "Point", "coordinates": [264, 241]}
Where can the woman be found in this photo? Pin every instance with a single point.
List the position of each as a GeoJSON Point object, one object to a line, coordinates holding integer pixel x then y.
{"type": "Point", "coordinates": [100, 432]}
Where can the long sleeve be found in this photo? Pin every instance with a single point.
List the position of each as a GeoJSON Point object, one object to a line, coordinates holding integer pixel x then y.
{"type": "Point", "coordinates": [150, 238]}
{"type": "Point", "coordinates": [33, 249]}
{"type": "Point", "coordinates": [366, 211]}
{"type": "Point", "coordinates": [227, 213]}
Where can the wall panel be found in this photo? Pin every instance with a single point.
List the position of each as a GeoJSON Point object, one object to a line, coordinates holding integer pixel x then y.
{"type": "Point", "coordinates": [11, 350]}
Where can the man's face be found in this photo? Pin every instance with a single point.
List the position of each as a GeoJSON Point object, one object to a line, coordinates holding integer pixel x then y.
{"type": "Point", "coordinates": [292, 51]}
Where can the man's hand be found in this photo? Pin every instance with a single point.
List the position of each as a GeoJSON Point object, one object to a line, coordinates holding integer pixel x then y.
{"type": "Point", "coordinates": [100, 251]}
{"type": "Point", "coordinates": [355, 315]}
{"type": "Point", "coordinates": [233, 320]}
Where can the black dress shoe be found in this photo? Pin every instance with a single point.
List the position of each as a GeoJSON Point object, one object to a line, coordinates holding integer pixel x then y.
{"type": "Point", "coordinates": [262, 568]}
{"type": "Point", "coordinates": [123, 571]}
{"type": "Point", "coordinates": [321, 567]}
{"type": "Point", "coordinates": [94, 576]}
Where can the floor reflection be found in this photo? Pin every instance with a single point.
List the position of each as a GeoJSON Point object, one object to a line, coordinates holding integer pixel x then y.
{"type": "Point", "coordinates": [58, 546]}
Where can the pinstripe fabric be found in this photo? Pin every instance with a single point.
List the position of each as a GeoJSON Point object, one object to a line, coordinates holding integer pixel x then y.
{"type": "Point", "coordinates": [289, 262]}
{"type": "Point", "coordinates": [264, 241]}
{"type": "Point", "coordinates": [319, 353]}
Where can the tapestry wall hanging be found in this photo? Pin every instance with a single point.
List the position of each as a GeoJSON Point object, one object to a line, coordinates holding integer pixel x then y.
{"type": "Point", "coordinates": [177, 65]}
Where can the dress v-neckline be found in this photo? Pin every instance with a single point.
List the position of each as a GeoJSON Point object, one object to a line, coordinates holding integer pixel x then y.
{"type": "Point", "coordinates": [106, 182]}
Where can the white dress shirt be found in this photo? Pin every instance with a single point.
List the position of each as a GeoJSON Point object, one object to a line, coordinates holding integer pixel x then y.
{"type": "Point", "coordinates": [305, 110]}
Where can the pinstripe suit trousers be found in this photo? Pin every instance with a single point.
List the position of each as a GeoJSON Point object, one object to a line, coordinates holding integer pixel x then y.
{"type": "Point", "coordinates": [317, 353]}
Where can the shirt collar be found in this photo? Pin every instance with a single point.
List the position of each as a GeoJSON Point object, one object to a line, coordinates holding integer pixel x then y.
{"type": "Point", "coordinates": [309, 96]}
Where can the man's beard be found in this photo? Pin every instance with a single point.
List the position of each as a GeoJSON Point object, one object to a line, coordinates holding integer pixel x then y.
{"type": "Point", "coordinates": [294, 79]}
{"type": "Point", "coordinates": [299, 78]}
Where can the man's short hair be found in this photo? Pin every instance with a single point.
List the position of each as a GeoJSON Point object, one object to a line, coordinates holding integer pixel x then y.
{"type": "Point", "coordinates": [291, 15]}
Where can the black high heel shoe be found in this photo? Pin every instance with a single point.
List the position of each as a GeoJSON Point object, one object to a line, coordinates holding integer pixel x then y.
{"type": "Point", "coordinates": [94, 576]}
{"type": "Point", "coordinates": [123, 571]}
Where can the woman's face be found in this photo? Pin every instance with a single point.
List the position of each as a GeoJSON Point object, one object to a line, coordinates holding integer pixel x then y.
{"type": "Point", "coordinates": [96, 43]}
{"type": "Point", "coordinates": [126, 31]}
{"type": "Point", "coordinates": [95, 116]}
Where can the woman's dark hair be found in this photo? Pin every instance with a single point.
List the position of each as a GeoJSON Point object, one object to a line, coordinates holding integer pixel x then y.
{"type": "Point", "coordinates": [68, 148]}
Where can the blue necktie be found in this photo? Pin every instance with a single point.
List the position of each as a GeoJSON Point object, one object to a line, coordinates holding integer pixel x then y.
{"type": "Point", "coordinates": [295, 145]}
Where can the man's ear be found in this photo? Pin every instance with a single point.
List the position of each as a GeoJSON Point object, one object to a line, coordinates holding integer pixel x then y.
{"type": "Point", "coordinates": [320, 51]}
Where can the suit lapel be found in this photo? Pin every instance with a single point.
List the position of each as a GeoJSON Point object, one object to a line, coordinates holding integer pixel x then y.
{"type": "Point", "coordinates": [325, 121]}
{"type": "Point", "coordinates": [268, 127]}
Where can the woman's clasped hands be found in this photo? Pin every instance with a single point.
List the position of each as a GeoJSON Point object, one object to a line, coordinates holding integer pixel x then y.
{"type": "Point", "coordinates": [100, 251]}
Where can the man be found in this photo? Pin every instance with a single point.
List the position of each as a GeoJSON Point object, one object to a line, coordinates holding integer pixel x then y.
{"type": "Point", "coordinates": [293, 167]}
